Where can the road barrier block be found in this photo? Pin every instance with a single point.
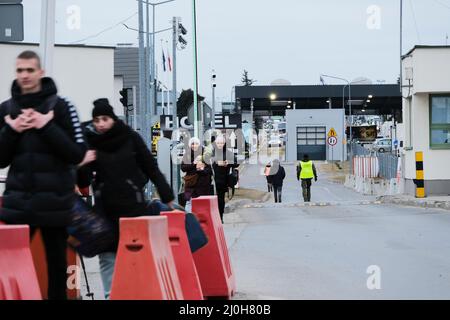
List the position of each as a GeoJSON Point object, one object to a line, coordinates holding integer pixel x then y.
{"type": "Point", "coordinates": [184, 262]}
{"type": "Point", "coordinates": [145, 267]}
{"type": "Point", "coordinates": [18, 278]}
{"type": "Point", "coordinates": [213, 261]}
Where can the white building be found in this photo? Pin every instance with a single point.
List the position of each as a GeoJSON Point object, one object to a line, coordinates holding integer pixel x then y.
{"type": "Point", "coordinates": [307, 131]}
{"type": "Point", "coordinates": [82, 74]}
{"type": "Point", "coordinates": [426, 116]}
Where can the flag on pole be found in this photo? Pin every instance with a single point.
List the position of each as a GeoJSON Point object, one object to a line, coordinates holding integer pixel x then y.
{"type": "Point", "coordinates": [169, 61]}
{"type": "Point", "coordinates": [164, 60]}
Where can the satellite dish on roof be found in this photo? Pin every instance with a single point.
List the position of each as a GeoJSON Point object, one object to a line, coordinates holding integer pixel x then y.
{"type": "Point", "coordinates": [281, 82]}
{"type": "Point", "coordinates": [361, 80]}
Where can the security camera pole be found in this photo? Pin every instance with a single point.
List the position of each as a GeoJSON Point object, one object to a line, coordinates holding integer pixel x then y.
{"type": "Point", "coordinates": [213, 79]}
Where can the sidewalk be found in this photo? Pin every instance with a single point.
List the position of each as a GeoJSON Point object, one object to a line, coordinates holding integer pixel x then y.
{"type": "Point", "coordinates": [438, 202]}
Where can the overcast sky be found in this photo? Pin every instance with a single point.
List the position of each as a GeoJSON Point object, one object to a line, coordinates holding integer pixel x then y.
{"type": "Point", "coordinates": [296, 40]}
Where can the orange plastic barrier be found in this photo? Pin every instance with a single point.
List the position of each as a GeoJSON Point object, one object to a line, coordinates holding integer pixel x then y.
{"type": "Point", "coordinates": [184, 262]}
{"type": "Point", "coordinates": [18, 279]}
{"type": "Point", "coordinates": [145, 267]}
{"type": "Point", "coordinates": [40, 263]}
{"type": "Point", "coordinates": [212, 261]}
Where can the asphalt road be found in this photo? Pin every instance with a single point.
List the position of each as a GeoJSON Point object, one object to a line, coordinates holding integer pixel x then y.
{"type": "Point", "coordinates": [325, 250]}
{"type": "Point", "coordinates": [333, 248]}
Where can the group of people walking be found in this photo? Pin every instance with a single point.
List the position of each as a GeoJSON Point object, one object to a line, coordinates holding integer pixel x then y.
{"type": "Point", "coordinates": [275, 174]}
{"type": "Point", "coordinates": [50, 153]}
{"type": "Point", "coordinates": [208, 171]}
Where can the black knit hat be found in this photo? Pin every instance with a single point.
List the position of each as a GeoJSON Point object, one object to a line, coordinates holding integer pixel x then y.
{"type": "Point", "coordinates": [103, 108]}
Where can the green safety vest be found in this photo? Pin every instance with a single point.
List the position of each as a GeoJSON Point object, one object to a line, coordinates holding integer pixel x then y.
{"type": "Point", "coordinates": [307, 170]}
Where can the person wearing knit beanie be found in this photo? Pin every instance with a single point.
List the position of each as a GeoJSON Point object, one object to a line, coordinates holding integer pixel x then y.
{"type": "Point", "coordinates": [103, 108]}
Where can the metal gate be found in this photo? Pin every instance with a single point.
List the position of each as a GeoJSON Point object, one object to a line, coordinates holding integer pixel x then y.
{"type": "Point", "coordinates": [312, 141]}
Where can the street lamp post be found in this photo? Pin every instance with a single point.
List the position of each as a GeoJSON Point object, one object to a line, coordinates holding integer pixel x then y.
{"type": "Point", "coordinates": [343, 106]}
{"type": "Point", "coordinates": [152, 78]}
{"type": "Point", "coordinates": [194, 36]}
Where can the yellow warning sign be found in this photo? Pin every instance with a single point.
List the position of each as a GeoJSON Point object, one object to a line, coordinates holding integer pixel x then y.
{"type": "Point", "coordinates": [332, 133]}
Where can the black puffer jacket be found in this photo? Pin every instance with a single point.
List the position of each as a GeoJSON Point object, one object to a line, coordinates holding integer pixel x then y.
{"type": "Point", "coordinates": [203, 187]}
{"type": "Point", "coordinates": [276, 175]}
{"type": "Point", "coordinates": [123, 167]}
{"type": "Point", "coordinates": [41, 179]}
{"type": "Point", "coordinates": [220, 172]}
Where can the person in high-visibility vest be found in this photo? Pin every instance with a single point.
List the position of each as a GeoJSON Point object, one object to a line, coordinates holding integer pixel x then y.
{"type": "Point", "coordinates": [306, 171]}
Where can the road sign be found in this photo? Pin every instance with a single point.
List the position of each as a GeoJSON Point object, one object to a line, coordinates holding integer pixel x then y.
{"type": "Point", "coordinates": [395, 144]}
{"type": "Point", "coordinates": [332, 140]}
{"type": "Point", "coordinates": [332, 133]}
{"type": "Point", "coordinates": [11, 22]}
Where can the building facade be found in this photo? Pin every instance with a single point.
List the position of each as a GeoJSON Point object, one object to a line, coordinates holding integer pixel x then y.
{"type": "Point", "coordinates": [426, 114]}
{"type": "Point", "coordinates": [307, 133]}
{"type": "Point", "coordinates": [82, 74]}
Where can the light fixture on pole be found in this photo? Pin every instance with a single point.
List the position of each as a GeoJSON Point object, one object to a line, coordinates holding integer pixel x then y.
{"type": "Point", "coordinates": [343, 106]}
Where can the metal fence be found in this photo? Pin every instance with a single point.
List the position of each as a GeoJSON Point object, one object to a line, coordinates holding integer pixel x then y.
{"type": "Point", "coordinates": [368, 163]}
{"type": "Point", "coordinates": [388, 164]}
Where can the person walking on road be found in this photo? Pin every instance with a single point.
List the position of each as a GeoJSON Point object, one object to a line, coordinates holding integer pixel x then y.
{"type": "Point", "coordinates": [276, 177]}
{"type": "Point", "coordinates": [267, 173]}
{"type": "Point", "coordinates": [222, 161]}
{"type": "Point", "coordinates": [122, 164]}
{"type": "Point", "coordinates": [306, 171]}
{"type": "Point", "coordinates": [197, 181]}
{"type": "Point", "coordinates": [41, 141]}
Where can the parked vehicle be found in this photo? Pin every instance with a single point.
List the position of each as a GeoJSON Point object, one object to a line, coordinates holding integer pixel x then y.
{"type": "Point", "coordinates": [382, 145]}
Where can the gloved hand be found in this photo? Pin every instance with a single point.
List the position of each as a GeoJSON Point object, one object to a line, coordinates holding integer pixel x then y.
{"type": "Point", "coordinates": [315, 179]}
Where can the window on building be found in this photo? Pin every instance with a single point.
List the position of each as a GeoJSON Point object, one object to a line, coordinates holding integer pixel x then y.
{"type": "Point", "coordinates": [440, 122]}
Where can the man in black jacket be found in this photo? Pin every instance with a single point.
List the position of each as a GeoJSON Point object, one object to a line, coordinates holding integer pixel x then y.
{"type": "Point", "coordinates": [41, 142]}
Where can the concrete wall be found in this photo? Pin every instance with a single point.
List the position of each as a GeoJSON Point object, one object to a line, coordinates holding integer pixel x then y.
{"type": "Point", "coordinates": [330, 118]}
{"type": "Point", "coordinates": [82, 73]}
{"type": "Point", "coordinates": [431, 68]}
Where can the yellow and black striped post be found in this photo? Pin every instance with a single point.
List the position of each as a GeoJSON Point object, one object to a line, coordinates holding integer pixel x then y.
{"type": "Point", "coordinates": [420, 183]}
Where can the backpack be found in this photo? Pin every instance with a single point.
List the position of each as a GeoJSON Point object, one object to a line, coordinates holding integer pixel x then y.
{"type": "Point", "coordinates": [233, 178]}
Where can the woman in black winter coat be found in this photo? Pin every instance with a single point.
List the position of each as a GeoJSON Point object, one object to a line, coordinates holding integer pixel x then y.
{"type": "Point", "coordinates": [122, 164]}
{"type": "Point", "coordinates": [198, 173]}
{"type": "Point", "coordinates": [222, 161]}
{"type": "Point", "coordinates": [276, 177]}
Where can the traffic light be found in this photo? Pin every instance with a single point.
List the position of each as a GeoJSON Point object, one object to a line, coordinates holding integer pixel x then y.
{"type": "Point", "coordinates": [179, 32]}
{"type": "Point", "coordinates": [213, 79]}
{"type": "Point", "coordinates": [124, 99]}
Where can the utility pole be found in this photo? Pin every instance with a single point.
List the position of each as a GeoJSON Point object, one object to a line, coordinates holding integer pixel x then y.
{"type": "Point", "coordinates": [148, 76]}
{"type": "Point", "coordinates": [401, 45]}
{"type": "Point", "coordinates": [47, 43]}
{"type": "Point", "coordinates": [142, 76]}
{"type": "Point", "coordinates": [174, 70]}
{"type": "Point", "coordinates": [194, 40]}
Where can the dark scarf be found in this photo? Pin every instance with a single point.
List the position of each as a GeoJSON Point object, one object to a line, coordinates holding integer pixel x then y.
{"type": "Point", "coordinates": [111, 140]}
{"type": "Point", "coordinates": [33, 100]}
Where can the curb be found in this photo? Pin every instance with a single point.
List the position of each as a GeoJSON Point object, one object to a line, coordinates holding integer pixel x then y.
{"type": "Point", "coordinates": [435, 204]}
{"type": "Point", "coordinates": [233, 205]}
